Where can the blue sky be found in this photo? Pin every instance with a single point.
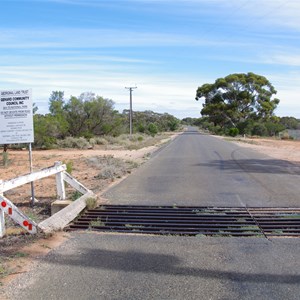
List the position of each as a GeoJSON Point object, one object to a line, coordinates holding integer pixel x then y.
{"type": "Point", "coordinates": [167, 48]}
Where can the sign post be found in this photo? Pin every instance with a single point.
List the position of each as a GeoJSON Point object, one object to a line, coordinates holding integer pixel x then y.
{"type": "Point", "coordinates": [31, 169]}
{"type": "Point", "coordinates": [16, 119]}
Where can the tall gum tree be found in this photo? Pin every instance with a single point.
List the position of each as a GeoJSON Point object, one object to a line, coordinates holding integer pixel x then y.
{"type": "Point", "coordinates": [237, 98]}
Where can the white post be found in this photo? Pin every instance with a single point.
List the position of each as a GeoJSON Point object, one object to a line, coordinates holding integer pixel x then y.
{"type": "Point", "coordinates": [2, 218]}
{"type": "Point", "coordinates": [60, 185]}
{"type": "Point", "coordinates": [2, 223]}
{"type": "Point", "coordinates": [31, 169]}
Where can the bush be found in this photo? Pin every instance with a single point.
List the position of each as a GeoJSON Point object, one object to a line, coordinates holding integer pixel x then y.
{"type": "Point", "coordinates": [259, 129]}
{"type": "Point", "coordinates": [47, 129]}
{"type": "Point", "coordinates": [71, 142]}
{"type": "Point", "coordinates": [91, 203]}
{"type": "Point", "coordinates": [152, 128]}
{"type": "Point", "coordinates": [173, 125]}
{"type": "Point", "coordinates": [233, 132]}
{"type": "Point", "coordinates": [69, 166]}
{"type": "Point", "coordinates": [92, 142]}
{"type": "Point", "coordinates": [286, 136]}
{"type": "Point", "coordinates": [141, 128]}
{"type": "Point", "coordinates": [216, 129]}
{"type": "Point", "coordinates": [274, 128]}
{"type": "Point", "coordinates": [110, 167]}
{"type": "Point", "coordinates": [100, 141]}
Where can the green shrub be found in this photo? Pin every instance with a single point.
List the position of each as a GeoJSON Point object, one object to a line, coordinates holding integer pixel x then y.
{"type": "Point", "coordinates": [259, 129]}
{"type": "Point", "coordinates": [152, 128]}
{"type": "Point", "coordinates": [173, 125]}
{"type": "Point", "coordinates": [69, 166]}
{"type": "Point", "coordinates": [141, 128]}
{"type": "Point", "coordinates": [233, 132]}
{"type": "Point", "coordinates": [216, 129]}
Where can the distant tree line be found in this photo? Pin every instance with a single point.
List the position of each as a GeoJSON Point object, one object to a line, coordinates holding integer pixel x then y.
{"type": "Point", "coordinates": [241, 104]}
{"type": "Point", "coordinates": [254, 128]}
{"type": "Point", "coordinates": [89, 115]}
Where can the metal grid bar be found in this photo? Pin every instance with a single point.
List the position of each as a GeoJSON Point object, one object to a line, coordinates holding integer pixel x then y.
{"type": "Point", "coordinates": [192, 221]}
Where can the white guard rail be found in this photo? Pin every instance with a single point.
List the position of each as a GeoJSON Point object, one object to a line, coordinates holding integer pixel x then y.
{"type": "Point", "coordinates": [7, 207]}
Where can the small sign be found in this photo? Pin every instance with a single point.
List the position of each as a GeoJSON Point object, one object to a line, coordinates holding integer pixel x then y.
{"type": "Point", "coordinates": [16, 117]}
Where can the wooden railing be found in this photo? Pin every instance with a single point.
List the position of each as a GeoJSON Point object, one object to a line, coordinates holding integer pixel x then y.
{"type": "Point", "coordinates": [8, 208]}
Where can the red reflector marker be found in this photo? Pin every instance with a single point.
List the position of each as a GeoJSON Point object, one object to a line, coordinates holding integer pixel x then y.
{"type": "Point", "coordinates": [30, 226]}
{"type": "Point", "coordinates": [3, 204]}
{"type": "Point", "coordinates": [10, 211]}
{"type": "Point", "coordinates": [25, 223]}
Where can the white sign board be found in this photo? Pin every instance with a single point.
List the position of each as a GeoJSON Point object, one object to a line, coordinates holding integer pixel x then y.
{"type": "Point", "coordinates": [16, 117]}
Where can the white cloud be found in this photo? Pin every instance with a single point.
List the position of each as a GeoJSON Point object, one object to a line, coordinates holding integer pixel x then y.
{"type": "Point", "coordinates": [289, 104]}
{"type": "Point", "coordinates": [79, 38]}
{"type": "Point", "coordinates": [287, 85]}
{"type": "Point", "coordinates": [162, 93]}
{"type": "Point", "coordinates": [281, 13]}
{"type": "Point", "coordinates": [287, 59]}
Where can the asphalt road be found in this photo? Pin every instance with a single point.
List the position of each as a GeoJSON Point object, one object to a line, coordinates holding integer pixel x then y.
{"type": "Point", "coordinates": [131, 267]}
{"type": "Point", "coordinates": [195, 169]}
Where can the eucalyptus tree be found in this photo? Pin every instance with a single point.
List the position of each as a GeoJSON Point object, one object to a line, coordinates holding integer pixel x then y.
{"type": "Point", "coordinates": [237, 98]}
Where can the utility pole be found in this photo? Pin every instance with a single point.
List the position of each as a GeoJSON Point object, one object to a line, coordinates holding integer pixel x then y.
{"type": "Point", "coordinates": [130, 110]}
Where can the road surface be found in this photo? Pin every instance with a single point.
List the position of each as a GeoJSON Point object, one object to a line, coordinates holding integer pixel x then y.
{"type": "Point", "coordinates": [194, 169]}
{"type": "Point", "coordinates": [199, 169]}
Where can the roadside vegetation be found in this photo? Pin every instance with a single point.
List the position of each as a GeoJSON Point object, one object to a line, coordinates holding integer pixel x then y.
{"type": "Point", "coordinates": [242, 104]}
{"type": "Point", "coordinates": [238, 104]}
{"type": "Point", "coordinates": [124, 141]}
{"type": "Point", "coordinates": [84, 121]}
{"type": "Point", "coordinates": [255, 129]}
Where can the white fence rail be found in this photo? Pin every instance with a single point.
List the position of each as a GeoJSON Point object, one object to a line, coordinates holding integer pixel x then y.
{"type": "Point", "coordinates": [59, 170]}
{"type": "Point", "coordinates": [13, 183]}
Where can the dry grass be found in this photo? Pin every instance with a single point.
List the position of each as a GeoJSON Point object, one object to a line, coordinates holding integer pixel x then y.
{"type": "Point", "coordinates": [133, 142]}
{"type": "Point", "coordinates": [124, 142]}
{"type": "Point", "coordinates": [111, 167]}
{"type": "Point", "coordinates": [91, 203]}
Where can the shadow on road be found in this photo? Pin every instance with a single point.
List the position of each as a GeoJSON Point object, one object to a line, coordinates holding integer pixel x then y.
{"type": "Point", "coordinates": [133, 261]}
{"type": "Point", "coordinates": [268, 166]}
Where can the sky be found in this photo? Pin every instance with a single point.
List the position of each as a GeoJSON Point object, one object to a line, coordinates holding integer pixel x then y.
{"type": "Point", "coordinates": [166, 48]}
